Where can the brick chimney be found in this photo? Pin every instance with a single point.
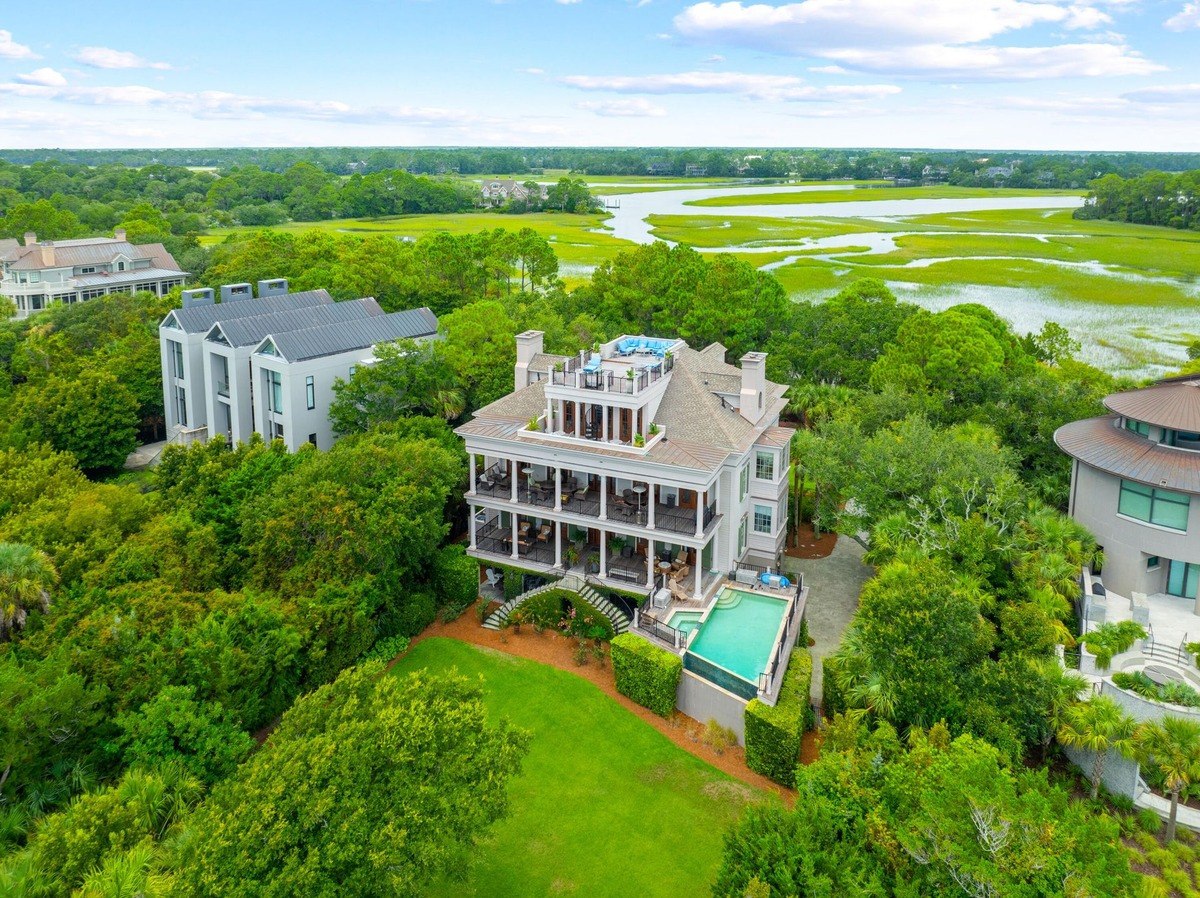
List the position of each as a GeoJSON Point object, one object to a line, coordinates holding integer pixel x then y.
{"type": "Point", "coordinates": [754, 386]}
{"type": "Point", "coordinates": [529, 344]}
{"type": "Point", "coordinates": [47, 252]}
{"type": "Point", "coordinates": [30, 238]}
{"type": "Point", "coordinates": [119, 234]}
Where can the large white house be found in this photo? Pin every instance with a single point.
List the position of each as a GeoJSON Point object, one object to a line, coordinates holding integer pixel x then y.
{"type": "Point", "coordinates": [638, 463]}
{"type": "Point", "coordinates": [37, 274]}
{"type": "Point", "coordinates": [268, 365]}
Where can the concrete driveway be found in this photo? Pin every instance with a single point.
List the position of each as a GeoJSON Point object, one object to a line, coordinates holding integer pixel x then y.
{"type": "Point", "coordinates": [833, 587]}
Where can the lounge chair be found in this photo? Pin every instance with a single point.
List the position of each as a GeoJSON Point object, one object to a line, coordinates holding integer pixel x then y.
{"type": "Point", "coordinates": [494, 578]}
{"type": "Point", "coordinates": [678, 592]}
{"type": "Point", "coordinates": [682, 572]}
{"type": "Point", "coordinates": [544, 532]}
{"type": "Point", "coordinates": [523, 528]}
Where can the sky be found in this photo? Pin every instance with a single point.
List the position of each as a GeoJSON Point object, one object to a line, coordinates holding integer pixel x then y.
{"type": "Point", "coordinates": [994, 74]}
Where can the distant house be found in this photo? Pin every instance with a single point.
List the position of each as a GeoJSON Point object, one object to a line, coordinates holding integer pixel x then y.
{"type": "Point", "coordinates": [999, 172]}
{"type": "Point", "coordinates": [355, 167]}
{"type": "Point", "coordinates": [934, 174]}
{"type": "Point", "coordinates": [499, 191]}
{"type": "Point", "coordinates": [694, 170]}
{"type": "Point", "coordinates": [70, 271]}
{"type": "Point", "coordinates": [268, 365]}
{"type": "Point", "coordinates": [660, 168]}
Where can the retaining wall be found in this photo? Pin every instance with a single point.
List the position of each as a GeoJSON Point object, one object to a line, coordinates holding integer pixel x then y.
{"type": "Point", "coordinates": [704, 701]}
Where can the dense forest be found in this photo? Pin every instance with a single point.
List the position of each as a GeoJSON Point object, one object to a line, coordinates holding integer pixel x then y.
{"type": "Point", "coordinates": [967, 167]}
{"type": "Point", "coordinates": [1155, 198]}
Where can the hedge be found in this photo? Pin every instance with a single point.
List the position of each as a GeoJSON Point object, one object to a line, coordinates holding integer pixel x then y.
{"type": "Point", "coordinates": [645, 673]}
{"type": "Point", "coordinates": [832, 700]}
{"type": "Point", "coordinates": [546, 609]}
{"type": "Point", "coordinates": [773, 734]}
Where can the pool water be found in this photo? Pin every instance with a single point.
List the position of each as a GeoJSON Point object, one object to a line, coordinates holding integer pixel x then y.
{"type": "Point", "coordinates": [685, 621]}
{"type": "Point", "coordinates": [739, 634]}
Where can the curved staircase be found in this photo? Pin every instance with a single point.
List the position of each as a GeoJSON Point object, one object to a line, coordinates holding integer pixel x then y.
{"type": "Point", "coordinates": [569, 583]}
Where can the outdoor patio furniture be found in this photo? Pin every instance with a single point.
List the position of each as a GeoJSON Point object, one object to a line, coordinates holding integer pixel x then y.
{"type": "Point", "coordinates": [523, 528]}
{"type": "Point", "coordinates": [670, 500]}
{"type": "Point", "coordinates": [627, 495]}
{"type": "Point", "coordinates": [682, 571]}
{"type": "Point", "coordinates": [580, 494]}
{"type": "Point", "coordinates": [544, 532]}
{"type": "Point", "coordinates": [494, 578]}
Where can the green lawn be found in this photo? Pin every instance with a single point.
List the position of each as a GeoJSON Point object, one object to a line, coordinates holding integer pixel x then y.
{"type": "Point", "coordinates": [862, 194]}
{"type": "Point", "coordinates": [604, 805]}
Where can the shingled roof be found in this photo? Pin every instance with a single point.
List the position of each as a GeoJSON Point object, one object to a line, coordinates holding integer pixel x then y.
{"type": "Point", "coordinates": [91, 251]}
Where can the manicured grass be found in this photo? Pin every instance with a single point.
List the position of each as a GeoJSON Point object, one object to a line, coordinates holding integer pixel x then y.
{"type": "Point", "coordinates": [605, 805]}
{"type": "Point", "coordinates": [863, 194]}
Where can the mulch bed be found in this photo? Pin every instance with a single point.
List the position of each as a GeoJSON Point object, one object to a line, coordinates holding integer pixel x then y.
{"type": "Point", "coordinates": [556, 650]}
{"type": "Point", "coordinates": [808, 546]}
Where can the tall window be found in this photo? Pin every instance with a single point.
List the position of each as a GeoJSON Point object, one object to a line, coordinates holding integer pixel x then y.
{"type": "Point", "coordinates": [181, 406]}
{"type": "Point", "coordinates": [1183, 579]}
{"type": "Point", "coordinates": [764, 465]}
{"type": "Point", "coordinates": [1154, 506]}
{"type": "Point", "coordinates": [744, 483]}
{"type": "Point", "coordinates": [762, 518]}
{"type": "Point", "coordinates": [742, 536]}
{"type": "Point", "coordinates": [177, 357]}
{"type": "Point", "coordinates": [310, 392]}
{"type": "Point", "coordinates": [276, 380]}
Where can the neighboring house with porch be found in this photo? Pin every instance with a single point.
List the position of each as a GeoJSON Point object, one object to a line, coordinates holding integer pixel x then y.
{"type": "Point", "coordinates": [499, 191]}
{"type": "Point", "coordinates": [37, 274]}
{"type": "Point", "coordinates": [641, 465]}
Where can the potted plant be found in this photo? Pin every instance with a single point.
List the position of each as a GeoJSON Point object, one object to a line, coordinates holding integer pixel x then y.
{"type": "Point", "coordinates": [615, 545]}
{"type": "Point", "coordinates": [596, 346]}
{"type": "Point", "coordinates": [630, 373]}
{"type": "Point", "coordinates": [572, 555]}
{"type": "Point", "coordinates": [639, 440]}
{"type": "Point", "coordinates": [558, 366]}
{"type": "Point", "coordinates": [533, 423]}
{"type": "Point", "coordinates": [653, 429]}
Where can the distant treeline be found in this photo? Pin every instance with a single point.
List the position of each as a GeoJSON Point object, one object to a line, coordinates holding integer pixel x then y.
{"type": "Point", "coordinates": [1156, 198]}
{"type": "Point", "coordinates": [961, 167]}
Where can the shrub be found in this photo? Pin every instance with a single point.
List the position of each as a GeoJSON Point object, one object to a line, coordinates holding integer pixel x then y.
{"type": "Point", "coordinates": [1175, 693]}
{"type": "Point", "coordinates": [552, 608]}
{"type": "Point", "coordinates": [645, 673]}
{"type": "Point", "coordinates": [455, 580]}
{"type": "Point", "coordinates": [408, 615]}
{"type": "Point", "coordinates": [832, 701]}
{"type": "Point", "coordinates": [773, 734]}
{"type": "Point", "coordinates": [1111, 639]}
{"type": "Point", "coordinates": [718, 737]}
{"type": "Point", "coordinates": [1149, 821]}
{"type": "Point", "coordinates": [387, 649]}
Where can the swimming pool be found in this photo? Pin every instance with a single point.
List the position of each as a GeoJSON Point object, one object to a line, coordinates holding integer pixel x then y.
{"type": "Point", "coordinates": [739, 633]}
{"type": "Point", "coordinates": [685, 621]}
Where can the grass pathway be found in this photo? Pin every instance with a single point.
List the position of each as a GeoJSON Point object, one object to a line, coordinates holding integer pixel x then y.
{"type": "Point", "coordinates": [605, 805]}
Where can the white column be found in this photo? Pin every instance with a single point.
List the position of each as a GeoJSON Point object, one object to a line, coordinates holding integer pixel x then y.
{"type": "Point", "coordinates": [650, 562]}
{"type": "Point", "coordinates": [512, 466]}
{"type": "Point", "coordinates": [650, 501]}
{"type": "Point", "coordinates": [471, 489]}
{"type": "Point", "coordinates": [557, 544]}
{"type": "Point", "coordinates": [471, 522]}
{"type": "Point", "coordinates": [699, 513]}
{"type": "Point", "coordinates": [558, 489]}
{"type": "Point", "coordinates": [604, 497]}
{"type": "Point", "coordinates": [549, 413]}
{"type": "Point", "coordinates": [698, 571]}
{"type": "Point", "coordinates": [604, 423]}
{"type": "Point", "coordinates": [603, 552]}
{"type": "Point", "coordinates": [514, 535]}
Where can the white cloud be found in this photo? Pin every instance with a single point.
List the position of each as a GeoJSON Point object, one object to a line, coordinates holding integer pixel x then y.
{"type": "Point", "coordinates": [1170, 93]}
{"type": "Point", "coordinates": [1188, 17]}
{"type": "Point", "coordinates": [761, 87]}
{"type": "Point", "coordinates": [532, 70]}
{"type": "Point", "coordinates": [934, 39]}
{"type": "Point", "coordinates": [566, 2]}
{"type": "Point", "coordinates": [10, 49]}
{"type": "Point", "coordinates": [636, 107]}
{"type": "Point", "coordinates": [45, 76]}
{"type": "Point", "coordinates": [107, 58]}
{"type": "Point", "coordinates": [715, 58]}
{"type": "Point", "coordinates": [828, 70]}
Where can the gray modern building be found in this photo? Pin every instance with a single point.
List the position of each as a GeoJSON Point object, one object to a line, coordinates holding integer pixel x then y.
{"type": "Point", "coordinates": [37, 274]}
{"type": "Point", "coordinates": [268, 365]}
{"type": "Point", "coordinates": [1135, 483]}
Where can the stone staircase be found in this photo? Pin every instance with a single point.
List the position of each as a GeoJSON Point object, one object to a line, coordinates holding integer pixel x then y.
{"type": "Point", "coordinates": [569, 583]}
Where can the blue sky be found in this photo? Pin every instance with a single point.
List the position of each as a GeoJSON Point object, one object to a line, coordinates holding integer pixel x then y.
{"type": "Point", "coordinates": [1037, 74]}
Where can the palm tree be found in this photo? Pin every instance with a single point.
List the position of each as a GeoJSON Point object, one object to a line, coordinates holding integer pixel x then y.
{"type": "Point", "coordinates": [1063, 688]}
{"type": "Point", "coordinates": [1173, 746]}
{"type": "Point", "coordinates": [26, 577]}
{"type": "Point", "coordinates": [1098, 725]}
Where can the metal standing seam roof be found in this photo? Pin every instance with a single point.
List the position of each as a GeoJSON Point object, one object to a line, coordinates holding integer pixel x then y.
{"type": "Point", "coordinates": [123, 277]}
{"type": "Point", "coordinates": [1173, 403]}
{"type": "Point", "coordinates": [251, 331]}
{"type": "Point", "coordinates": [1102, 444]}
{"type": "Point", "coordinates": [331, 339]}
{"type": "Point", "coordinates": [199, 319]}
{"type": "Point", "coordinates": [69, 253]}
